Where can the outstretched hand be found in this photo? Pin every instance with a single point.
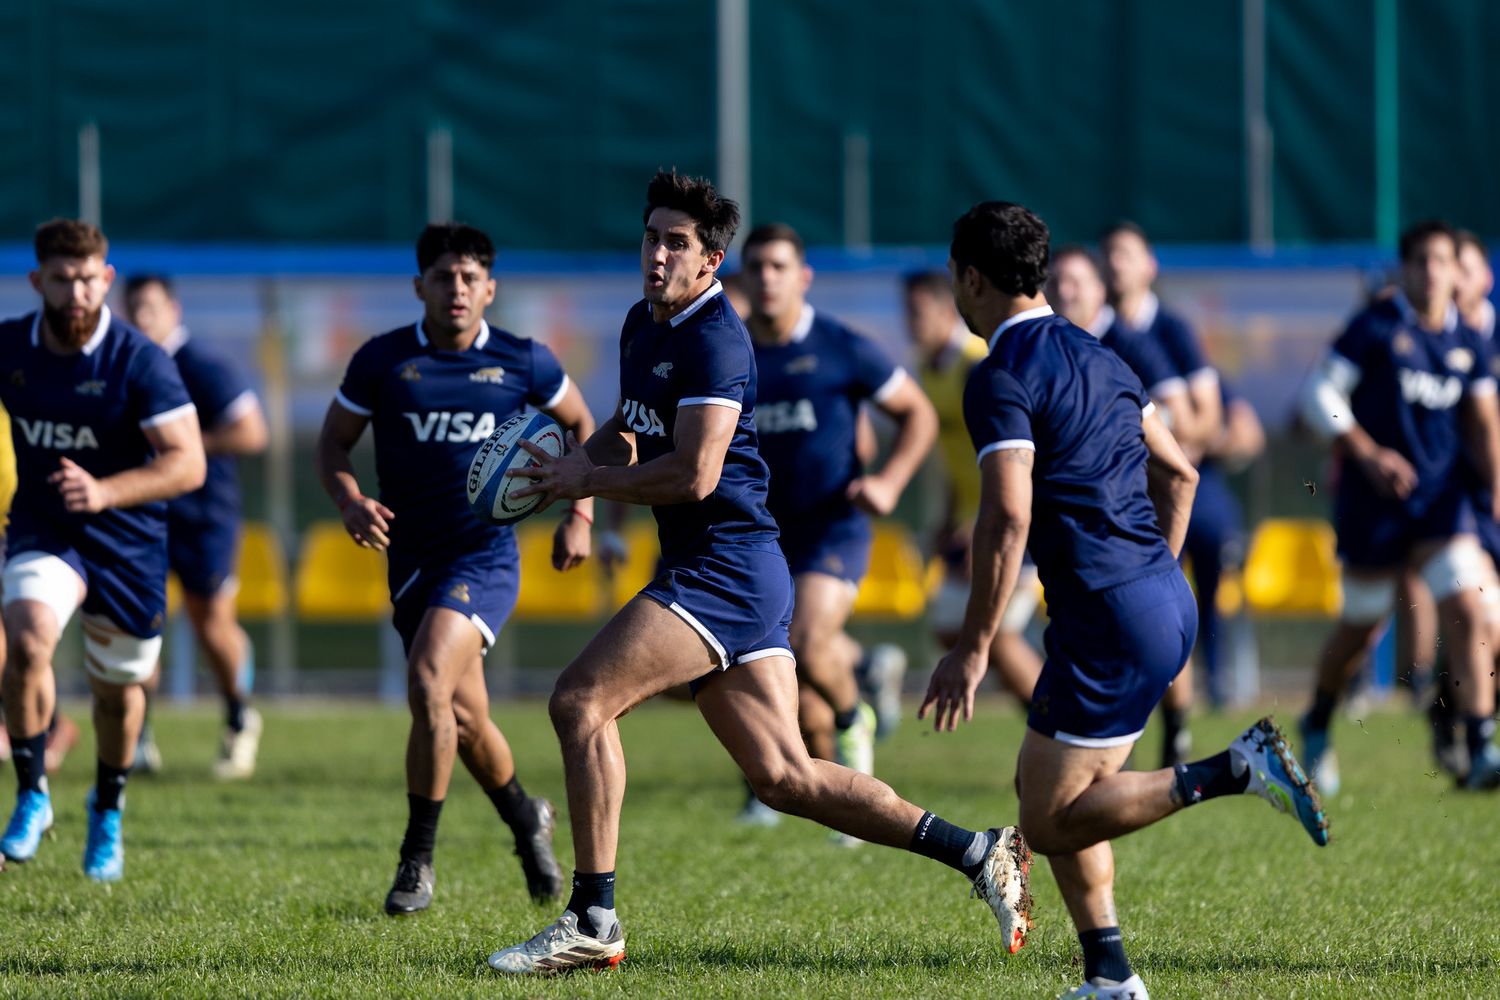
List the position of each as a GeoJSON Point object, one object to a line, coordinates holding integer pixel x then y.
{"type": "Point", "coordinates": [954, 682]}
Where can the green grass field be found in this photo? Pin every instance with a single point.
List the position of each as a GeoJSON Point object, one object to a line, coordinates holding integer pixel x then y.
{"type": "Point", "coordinates": [275, 887]}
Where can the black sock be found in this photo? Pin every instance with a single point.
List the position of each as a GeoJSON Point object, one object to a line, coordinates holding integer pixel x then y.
{"type": "Point", "coordinates": [843, 720]}
{"type": "Point", "coordinates": [1478, 732]}
{"type": "Point", "coordinates": [959, 849]}
{"type": "Point", "coordinates": [1209, 779]}
{"type": "Point", "coordinates": [591, 889]}
{"type": "Point", "coordinates": [109, 786]}
{"type": "Point", "coordinates": [1321, 712]}
{"type": "Point", "coordinates": [421, 828]}
{"type": "Point", "coordinates": [234, 713]}
{"type": "Point", "coordinates": [1104, 955]}
{"type": "Point", "coordinates": [30, 755]}
{"type": "Point", "coordinates": [508, 800]}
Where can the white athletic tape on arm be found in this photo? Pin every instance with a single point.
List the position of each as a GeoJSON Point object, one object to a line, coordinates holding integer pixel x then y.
{"type": "Point", "coordinates": [1325, 398]}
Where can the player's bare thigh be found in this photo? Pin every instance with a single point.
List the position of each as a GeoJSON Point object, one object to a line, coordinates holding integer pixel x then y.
{"type": "Point", "coordinates": [752, 709]}
{"type": "Point", "coordinates": [642, 651]}
{"type": "Point", "coordinates": [821, 612]}
{"type": "Point", "coordinates": [446, 646]}
{"type": "Point", "coordinates": [1052, 774]}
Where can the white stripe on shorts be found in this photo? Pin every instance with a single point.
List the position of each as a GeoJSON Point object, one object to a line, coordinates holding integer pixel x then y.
{"type": "Point", "coordinates": [701, 629]}
{"type": "Point", "coordinates": [1096, 742]}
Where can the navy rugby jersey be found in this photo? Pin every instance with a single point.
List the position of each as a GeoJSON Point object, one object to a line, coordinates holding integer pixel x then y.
{"type": "Point", "coordinates": [429, 410]}
{"type": "Point", "coordinates": [222, 395]}
{"type": "Point", "coordinates": [1143, 353]}
{"type": "Point", "coordinates": [91, 407]}
{"type": "Point", "coordinates": [1053, 388]}
{"type": "Point", "coordinates": [1404, 385]}
{"type": "Point", "coordinates": [701, 356]}
{"type": "Point", "coordinates": [1175, 338]}
{"type": "Point", "coordinates": [806, 408]}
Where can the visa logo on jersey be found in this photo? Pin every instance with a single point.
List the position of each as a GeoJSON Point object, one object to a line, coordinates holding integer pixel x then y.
{"type": "Point", "coordinates": [1435, 392]}
{"type": "Point", "coordinates": [451, 426]}
{"type": "Point", "coordinates": [642, 419]}
{"type": "Point", "coordinates": [63, 437]}
{"type": "Point", "coordinates": [783, 417]}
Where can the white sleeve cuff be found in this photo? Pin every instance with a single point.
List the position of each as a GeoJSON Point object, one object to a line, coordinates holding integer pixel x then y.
{"type": "Point", "coordinates": [1168, 387]}
{"type": "Point", "coordinates": [1147, 410]}
{"type": "Point", "coordinates": [1009, 444]}
{"type": "Point", "coordinates": [1207, 374]}
{"type": "Point", "coordinates": [1482, 386]}
{"type": "Point", "coordinates": [1343, 373]}
{"type": "Point", "coordinates": [167, 416]}
{"type": "Point", "coordinates": [889, 386]}
{"type": "Point", "coordinates": [237, 407]}
{"type": "Point", "coordinates": [732, 404]}
{"type": "Point", "coordinates": [557, 397]}
{"type": "Point", "coordinates": [351, 406]}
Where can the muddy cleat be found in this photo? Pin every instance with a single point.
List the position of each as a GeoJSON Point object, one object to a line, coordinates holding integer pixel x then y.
{"type": "Point", "coordinates": [1484, 776]}
{"type": "Point", "coordinates": [1005, 884]}
{"type": "Point", "coordinates": [1320, 760]}
{"type": "Point", "coordinates": [238, 751]}
{"type": "Point", "coordinates": [147, 753]}
{"type": "Point", "coordinates": [32, 818]}
{"type": "Point", "coordinates": [544, 878]}
{"type": "Point", "coordinates": [104, 852]}
{"type": "Point", "coordinates": [855, 747]}
{"type": "Point", "coordinates": [880, 674]}
{"type": "Point", "coordinates": [1130, 989]}
{"type": "Point", "coordinates": [1276, 777]}
{"type": "Point", "coordinates": [562, 947]}
{"type": "Point", "coordinates": [412, 890]}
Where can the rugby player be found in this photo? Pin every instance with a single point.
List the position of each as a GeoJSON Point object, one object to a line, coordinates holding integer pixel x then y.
{"type": "Point", "coordinates": [432, 391]}
{"type": "Point", "coordinates": [107, 434]}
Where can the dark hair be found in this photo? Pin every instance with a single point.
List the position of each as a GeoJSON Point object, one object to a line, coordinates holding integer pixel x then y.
{"type": "Point", "coordinates": [455, 238]}
{"type": "Point", "coordinates": [1077, 250]}
{"type": "Point", "coordinates": [1419, 233]}
{"type": "Point", "coordinates": [1004, 242]}
{"type": "Point", "coordinates": [1468, 238]}
{"type": "Point", "coordinates": [772, 232]}
{"type": "Point", "coordinates": [715, 219]}
{"type": "Point", "coordinates": [1124, 227]}
{"type": "Point", "coordinates": [138, 283]}
{"type": "Point", "coordinates": [68, 238]}
{"type": "Point", "coordinates": [934, 283]}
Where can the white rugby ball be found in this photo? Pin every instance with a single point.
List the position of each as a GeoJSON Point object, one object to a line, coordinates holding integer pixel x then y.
{"type": "Point", "coordinates": [490, 489]}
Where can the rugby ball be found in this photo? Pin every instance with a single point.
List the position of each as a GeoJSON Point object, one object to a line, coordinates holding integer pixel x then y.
{"type": "Point", "coordinates": [490, 489]}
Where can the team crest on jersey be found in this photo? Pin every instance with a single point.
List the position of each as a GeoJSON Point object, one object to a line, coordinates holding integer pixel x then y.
{"type": "Point", "coordinates": [1460, 359]}
{"type": "Point", "coordinates": [410, 373]}
{"type": "Point", "coordinates": [805, 365]}
{"type": "Point", "coordinates": [93, 387]}
{"type": "Point", "coordinates": [663, 370]}
{"type": "Point", "coordinates": [1403, 344]}
{"type": "Point", "coordinates": [494, 376]}
{"type": "Point", "coordinates": [460, 592]}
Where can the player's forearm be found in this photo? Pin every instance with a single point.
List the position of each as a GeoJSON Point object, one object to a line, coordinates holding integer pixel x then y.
{"type": "Point", "coordinates": [239, 437]}
{"type": "Point", "coordinates": [336, 473]}
{"type": "Point", "coordinates": [916, 433]}
{"type": "Point", "coordinates": [1172, 490]}
{"type": "Point", "coordinates": [672, 478]}
{"type": "Point", "coordinates": [999, 548]}
{"type": "Point", "coordinates": [169, 474]}
{"type": "Point", "coordinates": [610, 444]}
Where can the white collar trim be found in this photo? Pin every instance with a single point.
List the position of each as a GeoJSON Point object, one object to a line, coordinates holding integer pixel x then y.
{"type": "Point", "coordinates": [1103, 320]}
{"type": "Point", "coordinates": [1146, 315]}
{"type": "Point", "coordinates": [89, 346]}
{"type": "Point", "coordinates": [1409, 312]}
{"type": "Point", "coordinates": [698, 303]}
{"type": "Point", "coordinates": [1019, 317]}
{"type": "Point", "coordinates": [1487, 319]}
{"type": "Point", "coordinates": [173, 342]}
{"type": "Point", "coordinates": [804, 324]}
{"type": "Point", "coordinates": [479, 341]}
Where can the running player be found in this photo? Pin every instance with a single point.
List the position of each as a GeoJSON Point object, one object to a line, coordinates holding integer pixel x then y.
{"type": "Point", "coordinates": [433, 390]}
{"type": "Point", "coordinates": [1399, 391]}
{"type": "Point", "coordinates": [1073, 457]}
{"type": "Point", "coordinates": [814, 374]}
{"type": "Point", "coordinates": [105, 433]}
{"type": "Point", "coordinates": [947, 351]}
{"type": "Point", "coordinates": [203, 527]}
{"type": "Point", "coordinates": [683, 440]}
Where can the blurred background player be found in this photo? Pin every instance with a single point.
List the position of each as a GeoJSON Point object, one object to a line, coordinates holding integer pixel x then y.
{"type": "Point", "coordinates": [1399, 392]}
{"type": "Point", "coordinates": [813, 376]}
{"type": "Point", "coordinates": [433, 391]}
{"type": "Point", "coordinates": [203, 527]}
{"type": "Point", "coordinates": [946, 352]}
{"type": "Point", "coordinates": [108, 434]}
{"type": "Point", "coordinates": [1130, 270]}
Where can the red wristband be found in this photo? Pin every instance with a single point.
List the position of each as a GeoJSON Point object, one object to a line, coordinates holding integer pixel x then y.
{"type": "Point", "coordinates": [578, 513]}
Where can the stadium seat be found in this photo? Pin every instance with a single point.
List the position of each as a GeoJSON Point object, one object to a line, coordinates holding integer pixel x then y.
{"type": "Point", "coordinates": [895, 588]}
{"type": "Point", "coordinates": [546, 594]}
{"type": "Point", "coordinates": [338, 581]}
{"type": "Point", "coordinates": [1292, 568]}
{"type": "Point", "coordinates": [642, 551]}
{"type": "Point", "coordinates": [263, 591]}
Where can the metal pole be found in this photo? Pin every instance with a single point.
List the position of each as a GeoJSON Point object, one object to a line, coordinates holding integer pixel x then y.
{"type": "Point", "coordinates": [1387, 126]}
{"type": "Point", "coordinates": [89, 184]}
{"type": "Point", "coordinates": [440, 174]}
{"type": "Point", "coordinates": [857, 192]}
{"type": "Point", "coordinates": [1259, 196]}
{"type": "Point", "coordinates": [734, 104]}
{"type": "Point", "coordinates": [280, 493]}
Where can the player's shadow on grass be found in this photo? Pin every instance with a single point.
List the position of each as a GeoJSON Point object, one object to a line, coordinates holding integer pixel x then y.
{"type": "Point", "coordinates": [771, 957]}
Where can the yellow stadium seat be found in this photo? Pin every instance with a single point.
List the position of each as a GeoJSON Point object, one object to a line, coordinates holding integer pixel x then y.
{"type": "Point", "coordinates": [338, 580]}
{"type": "Point", "coordinates": [1293, 568]}
{"type": "Point", "coordinates": [546, 594]}
{"type": "Point", "coordinates": [262, 570]}
{"type": "Point", "coordinates": [642, 552]}
{"type": "Point", "coordinates": [896, 585]}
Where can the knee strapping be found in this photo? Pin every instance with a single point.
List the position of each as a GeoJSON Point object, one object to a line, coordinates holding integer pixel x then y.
{"type": "Point", "coordinates": [116, 657]}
